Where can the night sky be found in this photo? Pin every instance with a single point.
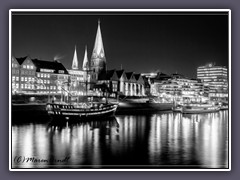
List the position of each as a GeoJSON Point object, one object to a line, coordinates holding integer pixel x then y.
{"type": "Point", "coordinates": [169, 42]}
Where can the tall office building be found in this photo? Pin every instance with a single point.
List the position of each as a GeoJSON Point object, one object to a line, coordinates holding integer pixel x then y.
{"type": "Point", "coordinates": [216, 77]}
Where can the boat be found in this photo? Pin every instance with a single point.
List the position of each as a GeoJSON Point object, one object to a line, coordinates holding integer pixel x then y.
{"type": "Point", "coordinates": [80, 112]}
{"type": "Point", "coordinates": [224, 107]}
{"type": "Point", "coordinates": [177, 108]}
{"type": "Point", "coordinates": [199, 108]}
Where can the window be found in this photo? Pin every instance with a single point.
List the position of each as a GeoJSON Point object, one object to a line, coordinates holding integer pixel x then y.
{"type": "Point", "coordinates": [26, 78]}
{"type": "Point", "coordinates": [22, 78]}
{"type": "Point", "coordinates": [28, 67]}
{"type": "Point", "coordinates": [41, 75]}
{"type": "Point", "coordinates": [21, 85]}
{"type": "Point", "coordinates": [13, 78]}
{"type": "Point", "coordinates": [24, 66]}
{"type": "Point", "coordinates": [17, 85]}
{"type": "Point", "coordinates": [17, 78]}
{"type": "Point", "coordinates": [45, 75]}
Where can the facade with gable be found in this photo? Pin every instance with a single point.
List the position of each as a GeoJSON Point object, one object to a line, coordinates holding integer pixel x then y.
{"type": "Point", "coordinates": [33, 76]}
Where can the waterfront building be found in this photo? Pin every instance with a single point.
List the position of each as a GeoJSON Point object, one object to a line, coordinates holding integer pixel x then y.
{"type": "Point", "coordinates": [123, 83]}
{"type": "Point", "coordinates": [23, 71]}
{"type": "Point", "coordinates": [216, 78]}
{"type": "Point", "coordinates": [33, 76]}
{"type": "Point", "coordinates": [177, 87]}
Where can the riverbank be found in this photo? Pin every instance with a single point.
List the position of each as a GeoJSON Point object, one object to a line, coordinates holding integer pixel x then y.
{"type": "Point", "coordinates": [125, 107]}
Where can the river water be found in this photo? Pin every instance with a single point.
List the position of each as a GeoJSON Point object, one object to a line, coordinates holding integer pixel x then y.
{"type": "Point", "coordinates": [164, 140]}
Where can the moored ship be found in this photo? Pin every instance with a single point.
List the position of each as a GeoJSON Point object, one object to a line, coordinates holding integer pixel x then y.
{"type": "Point", "coordinates": [77, 112]}
{"type": "Point", "coordinates": [196, 108]}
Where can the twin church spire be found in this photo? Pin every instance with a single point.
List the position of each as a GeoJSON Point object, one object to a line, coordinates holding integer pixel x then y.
{"type": "Point", "coordinates": [98, 60]}
{"type": "Point", "coordinates": [75, 60]}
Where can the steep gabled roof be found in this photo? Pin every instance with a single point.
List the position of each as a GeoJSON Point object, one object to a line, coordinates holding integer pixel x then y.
{"type": "Point", "coordinates": [139, 78]}
{"type": "Point", "coordinates": [54, 65]}
{"type": "Point", "coordinates": [120, 73]}
{"type": "Point", "coordinates": [21, 60]}
{"type": "Point", "coordinates": [129, 75]}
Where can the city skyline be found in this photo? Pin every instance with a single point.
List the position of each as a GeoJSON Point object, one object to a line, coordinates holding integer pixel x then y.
{"type": "Point", "coordinates": [143, 42]}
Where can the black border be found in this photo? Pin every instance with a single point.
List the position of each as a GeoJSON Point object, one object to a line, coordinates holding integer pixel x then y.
{"type": "Point", "coordinates": [213, 4]}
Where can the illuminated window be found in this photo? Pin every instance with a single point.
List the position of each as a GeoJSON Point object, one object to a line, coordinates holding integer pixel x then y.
{"type": "Point", "coordinates": [17, 78]}
{"type": "Point", "coordinates": [24, 66]}
{"type": "Point", "coordinates": [27, 66]}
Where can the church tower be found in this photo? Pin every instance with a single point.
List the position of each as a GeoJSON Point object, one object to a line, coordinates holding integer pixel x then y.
{"type": "Point", "coordinates": [75, 60]}
{"type": "Point", "coordinates": [85, 65]}
{"type": "Point", "coordinates": [98, 59]}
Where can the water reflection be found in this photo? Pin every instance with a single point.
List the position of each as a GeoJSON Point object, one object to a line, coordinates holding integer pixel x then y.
{"type": "Point", "coordinates": [196, 140]}
{"type": "Point", "coordinates": [158, 140]}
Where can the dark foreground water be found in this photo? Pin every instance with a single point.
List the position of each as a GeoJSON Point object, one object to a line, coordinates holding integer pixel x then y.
{"type": "Point", "coordinates": [164, 140]}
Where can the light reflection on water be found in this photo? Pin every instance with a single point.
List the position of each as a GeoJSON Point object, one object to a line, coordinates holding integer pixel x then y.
{"type": "Point", "coordinates": [165, 140]}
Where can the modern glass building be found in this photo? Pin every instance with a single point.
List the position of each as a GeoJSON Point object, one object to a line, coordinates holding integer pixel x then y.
{"type": "Point", "coordinates": [216, 77]}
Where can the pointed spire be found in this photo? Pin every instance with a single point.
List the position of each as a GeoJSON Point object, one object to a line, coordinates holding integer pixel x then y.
{"type": "Point", "coordinates": [75, 60]}
{"type": "Point", "coordinates": [98, 50]}
{"type": "Point", "coordinates": [85, 65]}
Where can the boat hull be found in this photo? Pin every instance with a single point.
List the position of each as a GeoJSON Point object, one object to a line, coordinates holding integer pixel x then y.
{"type": "Point", "coordinates": [199, 111]}
{"type": "Point", "coordinates": [67, 112]}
